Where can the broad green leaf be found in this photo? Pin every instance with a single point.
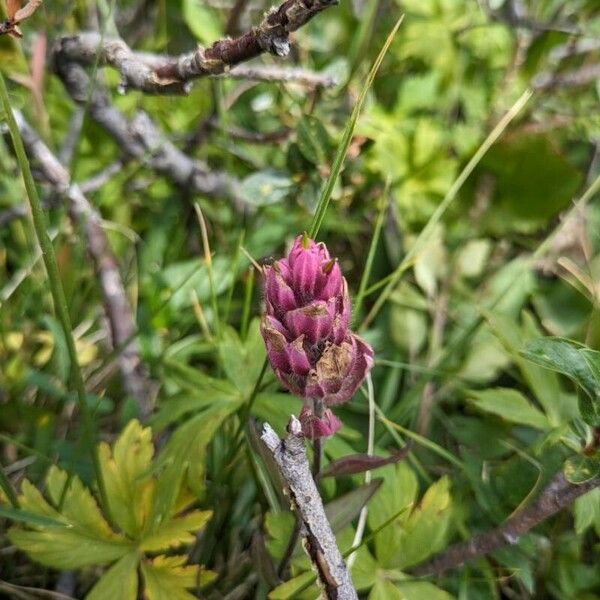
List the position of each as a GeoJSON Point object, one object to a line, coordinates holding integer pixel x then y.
{"type": "Point", "coordinates": [576, 362]}
{"type": "Point", "coordinates": [242, 361]}
{"type": "Point", "coordinates": [579, 468]}
{"type": "Point", "coordinates": [176, 532]}
{"type": "Point", "coordinates": [186, 449]}
{"type": "Point", "coordinates": [266, 187]}
{"type": "Point", "coordinates": [421, 590]}
{"type": "Point", "coordinates": [67, 549]}
{"type": "Point", "coordinates": [167, 578]}
{"type": "Point", "coordinates": [399, 491]}
{"type": "Point", "coordinates": [587, 511]}
{"type": "Point", "coordinates": [120, 582]}
{"type": "Point", "coordinates": [424, 531]}
{"type": "Point", "coordinates": [385, 590]}
{"type": "Point", "coordinates": [125, 470]}
{"type": "Point", "coordinates": [202, 21]}
{"type": "Point", "coordinates": [563, 356]}
{"type": "Point", "coordinates": [290, 588]}
{"type": "Point", "coordinates": [510, 405]}
{"type": "Point", "coordinates": [558, 406]}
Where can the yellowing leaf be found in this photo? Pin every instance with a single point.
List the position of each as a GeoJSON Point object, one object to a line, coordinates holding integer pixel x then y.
{"type": "Point", "coordinates": [120, 582]}
{"type": "Point", "coordinates": [424, 532]}
{"type": "Point", "coordinates": [67, 548]}
{"type": "Point", "coordinates": [79, 507]}
{"type": "Point", "coordinates": [125, 471]}
{"type": "Point", "coordinates": [87, 539]}
{"type": "Point", "coordinates": [166, 578]}
{"type": "Point", "coordinates": [176, 532]}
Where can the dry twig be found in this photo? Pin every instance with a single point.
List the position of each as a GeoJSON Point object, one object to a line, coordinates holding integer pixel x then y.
{"type": "Point", "coordinates": [320, 543]}
{"type": "Point", "coordinates": [558, 494]}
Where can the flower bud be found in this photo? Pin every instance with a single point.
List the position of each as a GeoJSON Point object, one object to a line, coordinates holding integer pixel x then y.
{"type": "Point", "coordinates": [305, 328]}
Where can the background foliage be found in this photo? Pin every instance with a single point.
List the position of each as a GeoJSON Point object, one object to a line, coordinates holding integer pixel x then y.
{"type": "Point", "coordinates": [481, 304]}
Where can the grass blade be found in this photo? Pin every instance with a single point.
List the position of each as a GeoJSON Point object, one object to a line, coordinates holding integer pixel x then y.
{"type": "Point", "coordinates": [54, 283]}
{"type": "Point", "coordinates": [342, 150]}
{"type": "Point", "coordinates": [425, 234]}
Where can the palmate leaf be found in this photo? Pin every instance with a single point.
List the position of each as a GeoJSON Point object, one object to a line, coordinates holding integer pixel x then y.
{"type": "Point", "coordinates": [86, 538]}
{"type": "Point", "coordinates": [167, 578]}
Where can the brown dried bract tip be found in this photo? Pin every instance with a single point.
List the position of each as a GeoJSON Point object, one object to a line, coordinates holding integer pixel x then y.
{"type": "Point", "coordinates": [16, 15]}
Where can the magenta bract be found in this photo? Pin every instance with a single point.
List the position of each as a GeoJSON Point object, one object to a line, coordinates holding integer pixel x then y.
{"type": "Point", "coordinates": [305, 328]}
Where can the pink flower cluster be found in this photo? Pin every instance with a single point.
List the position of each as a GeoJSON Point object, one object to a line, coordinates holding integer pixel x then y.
{"type": "Point", "coordinates": [310, 347]}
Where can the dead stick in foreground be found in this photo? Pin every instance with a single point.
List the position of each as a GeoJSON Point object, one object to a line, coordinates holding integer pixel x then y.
{"type": "Point", "coordinates": [320, 544]}
{"type": "Point", "coordinates": [558, 494]}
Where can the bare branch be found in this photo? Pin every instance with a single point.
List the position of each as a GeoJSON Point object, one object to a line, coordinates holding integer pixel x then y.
{"type": "Point", "coordinates": [139, 138]}
{"type": "Point", "coordinates": [157, 74]}
{"type": "Point", "coordinates": [320, 543]}
{"type": "Point", "coordinates": [558, 494]}
{"type": "Point", "coordinates": [118, 308]}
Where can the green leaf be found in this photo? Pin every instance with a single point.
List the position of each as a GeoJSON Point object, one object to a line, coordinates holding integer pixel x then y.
{"type": "Point", "coordinates": [576, 362]}
{"type": "Point", "coordinates": [563, 356]}
{"type": "Point", "coordinates": [167, 578]}
{"type": "Point", "coordinates": [385, 590]}
{"type": "Point", "coordinates": [120, 582]}
{"type": "Point", "coordinates": [579, 468]}
{"type": "Point", "coordinates": [125, 468]}
{"type": "Point", "coordinates": [242, 361]}
{"type": "Point", "coordinates": [176, 532]}
{"type": "Point", "coordinates": [510, 405]}
{"type": "Point", "coordinates": [587, 511]}
{"type": "Point", "coordinates": [202, 21]}
{"type": "Point", "coordinates": [290, 588]}
{"type": "Point", "coordinates": [29, 518]}
{"type": "Point", "coordinates": [186, 450]}
{"type": "Point", "coordinates": [313, 140]}
{"type": "Point", "coordinates": [421, 590]}
{"type": "Point", "coordinates": [265, 187]}
{"type": "Point", "coordinates": [398, 491]}
{"type": "Point", "coordinates": [343, 510]}
{"type": "Point", "coordinates": [424, 531]}
{"type": "Point", "coordinates": [67, 549]}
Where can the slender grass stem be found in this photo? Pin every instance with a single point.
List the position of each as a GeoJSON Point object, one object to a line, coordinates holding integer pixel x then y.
{"type": "Point", "coordinates": [56, 289]}
{"type": "Point", "coordinates": [8, 489]}
{"type": "Point", "coordinates": [451, 195]}
{"type": "Point", "coordinates": [360, 296]}
{"type": "Point", "coordinates": [342, 150]}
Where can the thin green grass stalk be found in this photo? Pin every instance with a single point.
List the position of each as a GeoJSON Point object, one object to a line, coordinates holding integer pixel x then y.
{"type": "Point", "coordinates": [470, 329]}
{"type": "Point", "coordinates": [8, 489]}
{"type": "Point", "coordinates": [429, 228]}
{"type": "Point", "coordinates": [371, 254]}
{"type": "Point", "coordinates": [234, 269]}
{"type": "Point", "coordinates": [209, 270]}
{"type": "Point", "coordinates": [26, 449]}
{"type": "Point", "coordinates": [247, 304]}
{"type": "Point", "coordinates": [56, 289]}
{"type": "Point", "coordinates": [422, 441]}
{"type": "Point", "coordinates": [342, 150]}
{"type": "Point", "coordinates": [362, 519]}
